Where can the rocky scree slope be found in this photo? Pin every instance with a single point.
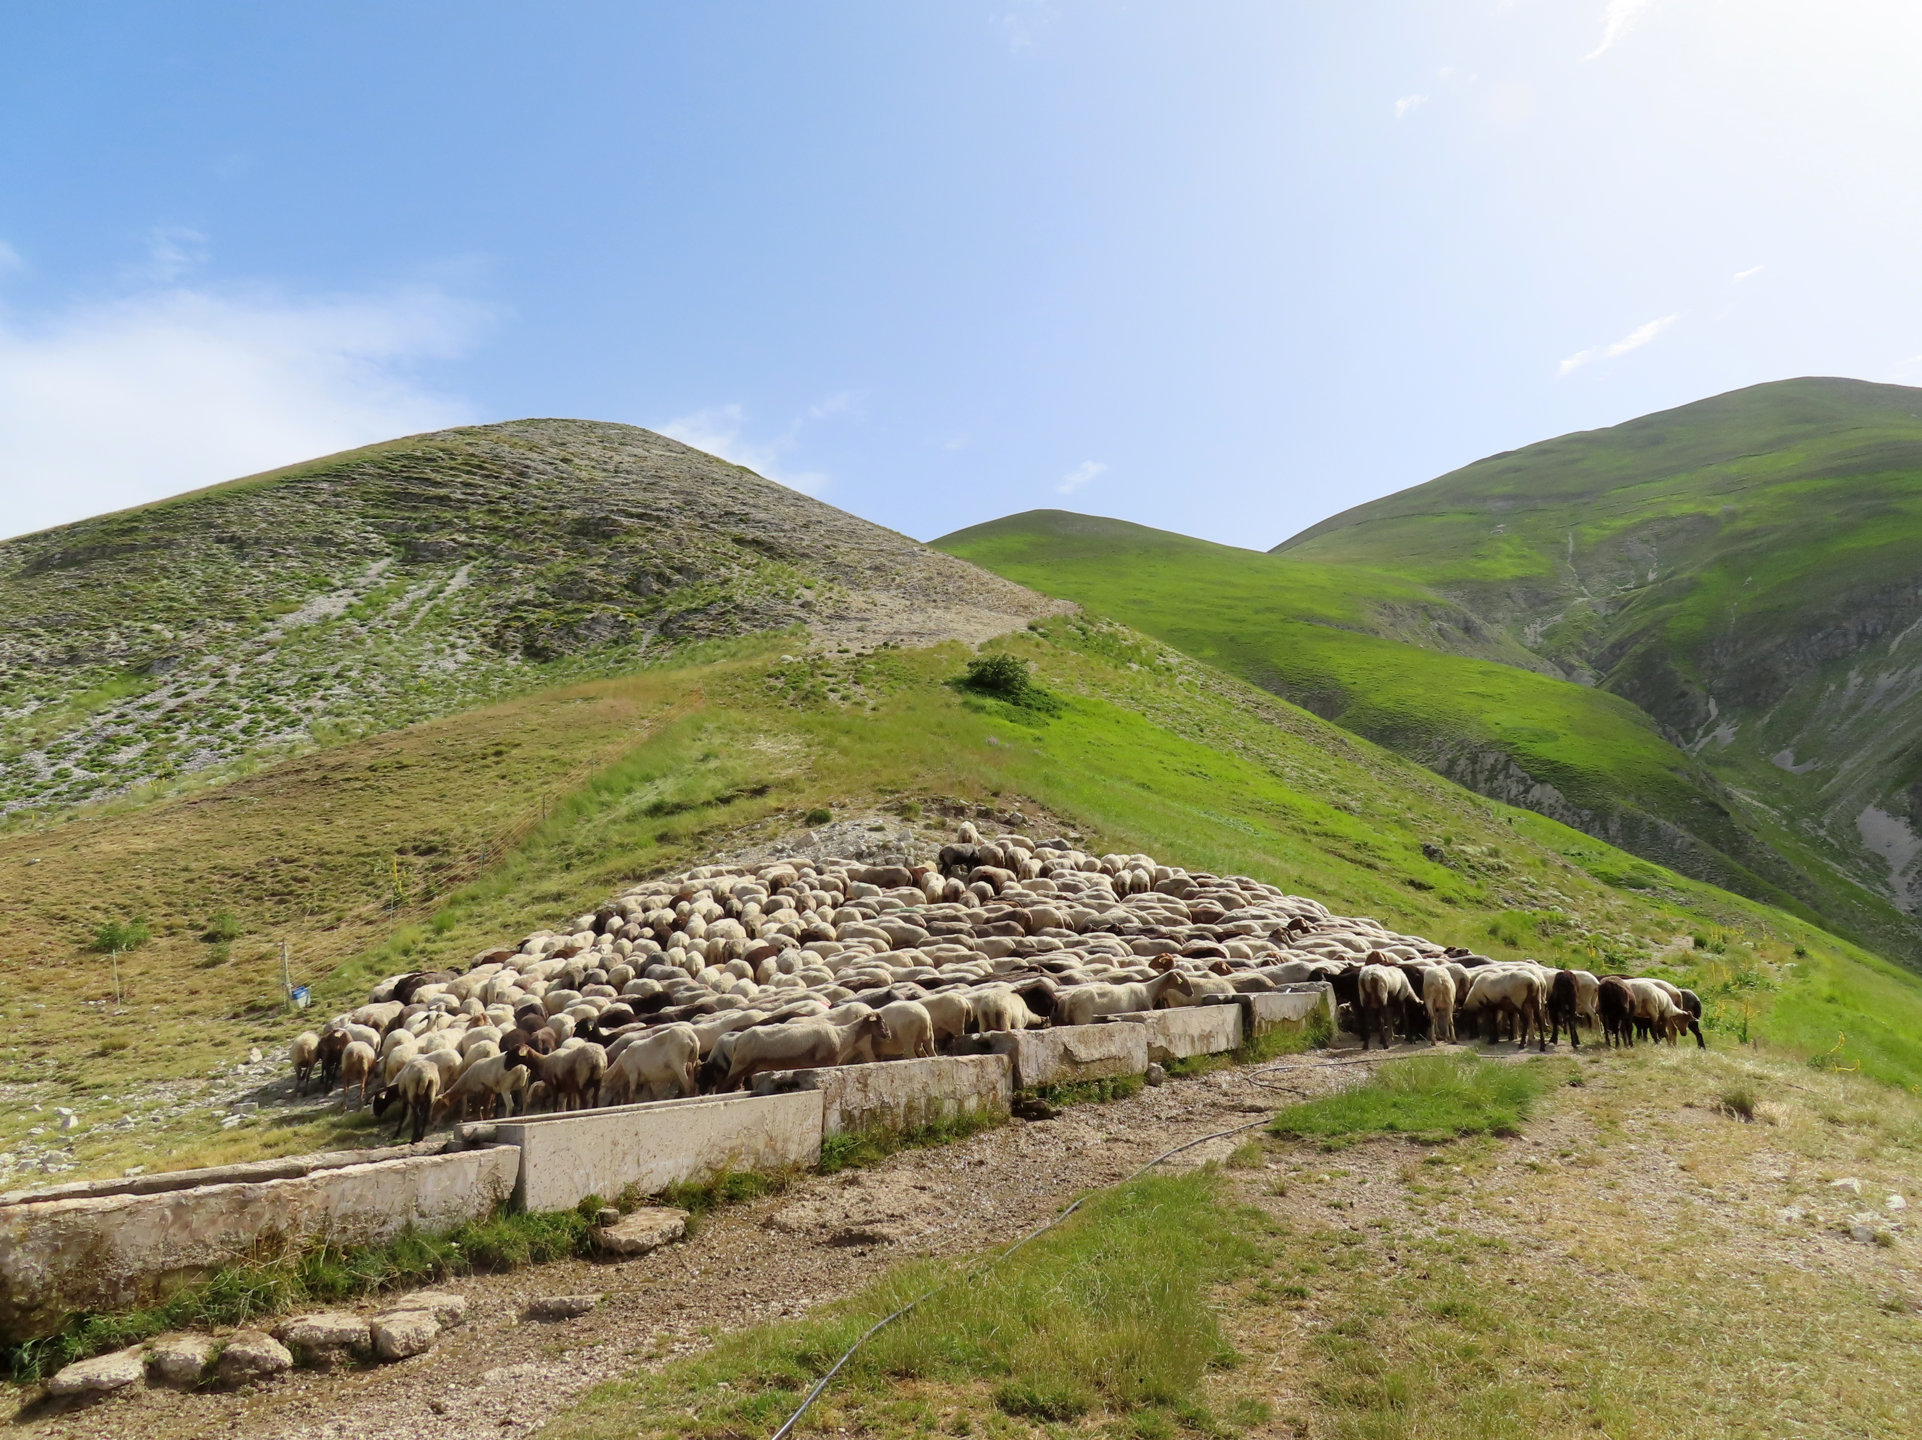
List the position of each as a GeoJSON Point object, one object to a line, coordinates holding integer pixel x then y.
{"type": "Point", "coordinates": [383, 586]}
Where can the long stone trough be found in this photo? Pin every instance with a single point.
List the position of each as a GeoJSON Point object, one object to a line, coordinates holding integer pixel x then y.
{"type": "Point", "coordinates": [115, 1251]}
{"type": "Point", "coordinates": [649, 1147]}
{"type": "Point", "coordinates": [116, 1244]}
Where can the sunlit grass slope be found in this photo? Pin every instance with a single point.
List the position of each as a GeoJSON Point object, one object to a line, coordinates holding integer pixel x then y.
{"type": "Point", "coordinates": [1382, 657]}
{"type": "Point", "coordinates": [650, 772]}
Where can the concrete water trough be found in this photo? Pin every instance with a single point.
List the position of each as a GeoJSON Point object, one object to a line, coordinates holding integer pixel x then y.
{"type": "Point", "coordinates": [118, 1250]}
{"type": "Point", "coordinates": [651, 1146]}
{"type": "Point", "coordinates": [1291, 1008]}
{"type": "Point", "coordinates": [1072, 1053]}
{"type": "Point", "coordinates": [902, 1094]}
{"type": "Point", "coordinates": [1189, 1030]}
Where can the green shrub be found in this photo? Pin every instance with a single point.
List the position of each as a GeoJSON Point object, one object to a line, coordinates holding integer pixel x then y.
{"type": "Point", "coordinates": [1005, 677]}
{"type": "Point", "coordinates": [818, 816]}
{"type": "Point", "coordinates": [121, 935]}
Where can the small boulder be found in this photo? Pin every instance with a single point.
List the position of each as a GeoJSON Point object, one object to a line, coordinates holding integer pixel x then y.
{"type": "Point", "coordinates": [179, 1360]}
{"type": "Point", "coordinates": [320, 1340]}
{"type": "Point", "coordinates": [1861, 1234]}
{"type": "Point", "coordinates": [1848, 1183]}
{"type": "Point", "coordinates": [1895, 1202]}
{"type": "Point", "coordinates": [252, 1355]}
{"type": "Point", "coordinates": [100, 1374]}
{"type": "Point", "coordinates": [445, 1306]}
{"type": "Point", "coordinates": [400, 1333]}
{"type": "Point", "coordinates": [560, 1307]}
{"type": "Point", "coordinates": [641, 1232]}
{"type": "Point", "coordinates": [1154, 1074]}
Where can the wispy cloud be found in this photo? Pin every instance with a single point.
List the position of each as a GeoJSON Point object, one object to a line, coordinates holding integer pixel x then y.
{"type": "Point", "coordinates": [1407, 104]}
{"type": "Point", "coordinates": [1022, 24]}
{"type": "Point", "coordinates": [725, 430]}
{"type": "Point", "coordinates": [118, 402]}
{"type": "Point", "coordinates": [1079, 476]}
{"type": "Point", "coordinates": [1634, 340]}
{"type": "Point", "coordinates": [172, 251]}
{"type": "Point", "coordinates": [1748, 274]}
{"type": "Point", "coordinates": [10, 259]}
{"type": "Point", "coordinates": [1617, 19]}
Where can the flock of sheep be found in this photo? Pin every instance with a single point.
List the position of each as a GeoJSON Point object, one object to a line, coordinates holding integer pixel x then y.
{"type": "Point", "coordinates": [701, 982]}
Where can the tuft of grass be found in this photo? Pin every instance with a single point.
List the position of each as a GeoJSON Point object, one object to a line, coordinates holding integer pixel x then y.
{"type": "Point", "coordinates": [818, 816]}
{"type": "Point", "coordinates": [1107, 1314]}
{"type": "Point", "coordinates": [1738, 1100]}
{"type": "Point", "coordinates": [859, 1149]}
{"type": "Point", "coordinates": [730, 1187]}
{"type": "Point", "coordinates": [1089, 1092]}
{"type": "Point", "coordinates": [1430, 1097]}
{"type": "Point", "coordinates": [118, 935]}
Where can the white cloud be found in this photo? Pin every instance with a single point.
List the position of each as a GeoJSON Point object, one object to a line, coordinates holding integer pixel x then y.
{"type": "Point", "coordinates": [1634, 340]}
{"type": "Point", "coordinates": [723, 430]}
{"type": "Point", "coordinates": [1409, 103]}
{"type": "Point", "coordinates": [1023, 23]}
{"type": "Point", "coordinates": [1749, 273]}
{"type": "Point", "coordinates": [172, 250]}
{"type": "Point", "coordinates": [10, 259]}
{"type": "Point", "coordinates": [1079, 476]}
{"type": "Point", "coordinates": [119, 402]}
{"type": "Point", "coordinates": [1617, 20]}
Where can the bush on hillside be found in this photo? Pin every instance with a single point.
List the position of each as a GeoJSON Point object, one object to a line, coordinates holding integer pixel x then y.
{"type": "Point", "coordinates": [121, 935]}
{"type": "Point", "coordinates": [1005, 677]}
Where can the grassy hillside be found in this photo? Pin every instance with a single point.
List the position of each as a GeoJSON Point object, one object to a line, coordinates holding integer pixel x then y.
{"type": "Point", "coordinates": [1745, 569]}
{"type": "Point", "coordinates": [1387, 658]}
{"type": "Point", "coordinates": [383, 586]}
{"type": "Point", "coordinates": [577, 790]}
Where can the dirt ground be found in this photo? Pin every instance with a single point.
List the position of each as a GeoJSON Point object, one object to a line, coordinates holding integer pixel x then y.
{"type": "Point", "coordinates": [1632, 1147]}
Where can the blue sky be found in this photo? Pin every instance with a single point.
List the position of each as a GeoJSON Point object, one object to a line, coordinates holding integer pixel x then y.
{"type": "Point", "coordinates": [1224, 268]}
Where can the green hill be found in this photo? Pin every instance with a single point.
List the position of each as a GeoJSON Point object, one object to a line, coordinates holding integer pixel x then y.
{"type": "Point", "coordinates": [1701, 623]}
{"type": "Point", "coordinates": [1321, 636]}
{"type": "Point", "coordinates": [410, 824]}
{"type": "Point", "coordinates": [388, 585]}
{"type": "Point", "coordinates": [1747, 570]}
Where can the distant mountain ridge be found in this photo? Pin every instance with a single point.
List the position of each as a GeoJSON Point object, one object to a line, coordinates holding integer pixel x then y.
{"type": "Point", "coordinates": [404, 580]}
{"type": "Point", "coordinates": [1735, 586]}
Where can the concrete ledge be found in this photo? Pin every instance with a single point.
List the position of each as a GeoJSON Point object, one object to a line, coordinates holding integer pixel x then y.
{"type": "Point", "coordinates": [902, 1094]}
{"type": "Point", "coordinates": [116, 1252]}
{"type": "Point", "coordinates": [1189, 1030]}
{"type": "Point", "coordinates": [1069, 1053]}
{"type": "Point", "coordinates": [566, 1158]}
{"type": "Point", "coordinates": [1292, 1008]}
{"type": "Point", "coordinates": [289, 1168]}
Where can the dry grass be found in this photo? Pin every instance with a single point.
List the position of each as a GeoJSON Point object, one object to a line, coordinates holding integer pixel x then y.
{"type": "Point", "coordinates": [1625, 1269]}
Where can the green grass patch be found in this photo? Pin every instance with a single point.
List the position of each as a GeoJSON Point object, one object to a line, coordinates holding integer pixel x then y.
{"type": "Point", "coordinates": [1108, 1314]}
{"type": "Point", "coordinates": [243, 1293]}
{"type": "Point", "coordinates": [857, 1150]}
{"type": "Point", "coordinates": [1087, 1092]}
{"type": "Point", "coordinates": [1430, 1097]}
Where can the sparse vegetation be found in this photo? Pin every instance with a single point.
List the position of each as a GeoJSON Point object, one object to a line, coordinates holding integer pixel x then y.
{"type": "Point", "coordinates": [1109, 1314]}
{"type": "Point", "coordinates": [1429, 1097]}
